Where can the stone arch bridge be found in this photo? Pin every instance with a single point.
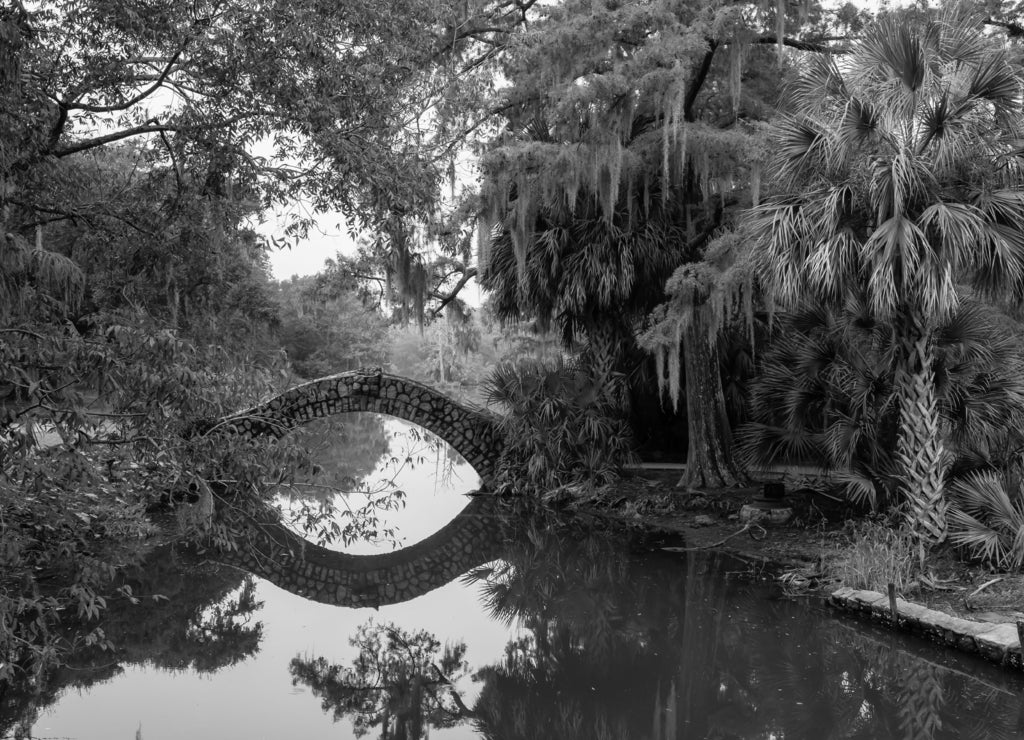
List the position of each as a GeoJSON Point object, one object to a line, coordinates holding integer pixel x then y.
{"type": "Point", "coordinates": [472, 431]}
{"type": "Point", "coordinates": [294, 564]}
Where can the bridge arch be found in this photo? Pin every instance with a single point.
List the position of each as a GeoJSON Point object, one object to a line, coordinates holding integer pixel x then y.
{"type": "Point", "coordinates": [472, 431]}
{"type": "Point", "coordinates": [294, 564]}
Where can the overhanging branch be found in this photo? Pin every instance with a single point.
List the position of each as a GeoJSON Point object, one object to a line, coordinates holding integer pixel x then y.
{"type": "Point", "coordinates": [447, 298]}
{"type": "Point", "coordinates": [152, 126]}
{"type": "Point", "coordinates": [136, 99]}
{"type": "Point", "coordinates": [819, 47]}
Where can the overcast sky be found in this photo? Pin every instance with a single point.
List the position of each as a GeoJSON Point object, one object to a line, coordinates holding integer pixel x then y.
{"type": "Point", "coordinates": [325, 240]}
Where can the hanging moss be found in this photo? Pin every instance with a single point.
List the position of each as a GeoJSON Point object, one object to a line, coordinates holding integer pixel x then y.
{"type": "Point", "coordinates": [722, 285]}
{"type": "Point", "coordinates": [736, 53]}
{"type": "Point", "coordinates": [674, 369]}
{"type": "Point", "coordinates": [780, 26]}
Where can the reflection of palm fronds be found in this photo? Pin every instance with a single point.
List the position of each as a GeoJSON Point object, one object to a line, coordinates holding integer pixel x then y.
{"type": "Point", "coordinates": [920, 701]}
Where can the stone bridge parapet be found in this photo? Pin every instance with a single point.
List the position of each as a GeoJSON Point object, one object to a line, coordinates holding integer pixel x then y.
{"type": "Point", "coordinates": [472, 431]}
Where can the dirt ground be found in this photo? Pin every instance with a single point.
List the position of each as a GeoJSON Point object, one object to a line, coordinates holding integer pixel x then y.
{"type": "Point", "coordinates": [797, 550]}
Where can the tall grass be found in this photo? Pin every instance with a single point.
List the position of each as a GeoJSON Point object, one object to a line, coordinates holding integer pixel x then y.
{"type": "Point", "coordinates": [874, 554]}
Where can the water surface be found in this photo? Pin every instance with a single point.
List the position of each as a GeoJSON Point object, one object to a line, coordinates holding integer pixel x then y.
{"type": "Point", "coordinates": [573, 633]}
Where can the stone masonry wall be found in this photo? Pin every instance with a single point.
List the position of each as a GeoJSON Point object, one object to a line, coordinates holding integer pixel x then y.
{"type": "Point", "coordinates": [473, 432]}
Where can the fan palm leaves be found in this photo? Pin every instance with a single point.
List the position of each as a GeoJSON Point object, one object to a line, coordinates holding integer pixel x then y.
{"type": "Point", "coordinates": [583, 272]}
{"type": "Point", "coordinates": [987, 517]}
{"type": "Point", "coordinates": [902, 178]}
{"type": "Point", "coordinates": [827, 395]}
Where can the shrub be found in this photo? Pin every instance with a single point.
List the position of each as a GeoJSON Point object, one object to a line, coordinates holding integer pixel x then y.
{"type": "Point", "coordinates": [564, 429]}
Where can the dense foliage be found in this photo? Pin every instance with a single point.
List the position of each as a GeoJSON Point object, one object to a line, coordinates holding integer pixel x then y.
{"type": "Point", "coordinates": [642, 177]}
{"type": "Point", "coordinates": [565, 437]}
{"type": "Point", "coordinates": [900, 177]}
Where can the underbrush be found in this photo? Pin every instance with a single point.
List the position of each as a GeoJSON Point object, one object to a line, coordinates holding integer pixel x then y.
{"type": "Point", "coordinates": [566, 437]}
{"type": "Point", "coordinates": [74, 501]}
{"type": "Point", "coordinates": [873, 553]}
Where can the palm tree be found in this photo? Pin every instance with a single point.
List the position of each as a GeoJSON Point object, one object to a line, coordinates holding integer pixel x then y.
{"type": "Point", "coordinates": [902, 178]}
{"type": "Point", "coordinates": [825, 395]}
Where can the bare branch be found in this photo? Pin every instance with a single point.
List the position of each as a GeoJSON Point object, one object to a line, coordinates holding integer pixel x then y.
{"type": "Point", "coordinates": [449, 297]}
{"type": "Point", "coordinates": [698, 81]}
{"type": "Point", "coordinates": [174, 161]}
{"type": "Point", "coordinates": [815, 46]}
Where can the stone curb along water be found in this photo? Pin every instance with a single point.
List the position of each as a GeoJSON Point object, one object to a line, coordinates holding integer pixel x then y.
{"type": "Point", "coordinates": [997, 642]}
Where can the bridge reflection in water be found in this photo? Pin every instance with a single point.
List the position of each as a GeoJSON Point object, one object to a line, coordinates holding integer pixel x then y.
{"type": "Point", "coordinates": [595, 636]}
{"type": "Point", "coordinates": [609, 640]}
{"type": "Point", "coordinates": [294, 564]}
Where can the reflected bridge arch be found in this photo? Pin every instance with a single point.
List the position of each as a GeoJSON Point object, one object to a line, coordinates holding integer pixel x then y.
{"type": "Point", "coordinates": [294, 564]}
{"type": "Point", "coordinates": [473, 432]}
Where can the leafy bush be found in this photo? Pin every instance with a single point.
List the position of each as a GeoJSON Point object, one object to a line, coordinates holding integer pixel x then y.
{"type": "Point", "coordinates": [564, 431]}
{"type": "Point", "coordinates": [93, 435]}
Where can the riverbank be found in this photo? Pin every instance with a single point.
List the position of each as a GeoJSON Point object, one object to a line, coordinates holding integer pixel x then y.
{"type": "Point", "coordinates": [964, 606]}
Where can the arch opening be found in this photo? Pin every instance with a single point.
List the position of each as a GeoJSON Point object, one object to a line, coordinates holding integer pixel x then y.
{"type": "Point", "coordinates": [472, 432]}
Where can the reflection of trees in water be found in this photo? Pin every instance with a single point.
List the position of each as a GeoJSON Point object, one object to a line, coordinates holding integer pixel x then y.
{"type": "Point", "coordinates": [401, 682]}
{"type": "Point", "coordinates": [352, 482]}
{"type": "Point", "coordinates": [614, 644]}
{"type": "Point", "coordinates": [184, 616]}
{"type": "Point", "coordinates": [346, 449]}
{"type": "Point", "coordinates": [599, 636]}
{"type": "Point", "coordinates": [618, 644]}
{"type": "Point", "coordinates": [763, 668]}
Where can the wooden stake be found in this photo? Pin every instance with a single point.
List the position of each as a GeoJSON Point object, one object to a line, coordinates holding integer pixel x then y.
{"type": "Point", "coordinates": [1020, 635]}
{"type": "Point", "coordinates": [892, 606]}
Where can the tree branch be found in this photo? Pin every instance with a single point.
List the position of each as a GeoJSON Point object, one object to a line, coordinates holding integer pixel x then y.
{"type": "Point", "coordinates": [1013, 30]}
{"type": "Point", "coordinates": [815, 46]}
{"type": "Point", "coordinates": [76, 215]}
{"type": "Point", "coordinates": [174, 161]}
{"type": "Point", "coordinates": [149, 127]}
{"type": "Point", "coordinates": [456, 697]}
{"type": "Point", "coordinates": [152, 126]}
{"type": "Point", "coordinates": [446, 299]}
{"type": "Point", "coordinates": [693, 89]}
{"type": "Point", "coordinates": [138, 98]}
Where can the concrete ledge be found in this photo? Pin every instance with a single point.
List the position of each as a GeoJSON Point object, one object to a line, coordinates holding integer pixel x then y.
{"type": "Point", "coordinates": [994, 641]}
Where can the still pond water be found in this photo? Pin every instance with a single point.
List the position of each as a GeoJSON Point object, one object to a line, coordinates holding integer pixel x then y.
{"type": "Point", "coordinates": [570, 635]}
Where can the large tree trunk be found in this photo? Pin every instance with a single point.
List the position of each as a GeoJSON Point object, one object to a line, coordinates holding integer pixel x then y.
{"type": "Point", "coordinates": [709, 460]}
{"type": "Point", "coordinates": [919, 450]}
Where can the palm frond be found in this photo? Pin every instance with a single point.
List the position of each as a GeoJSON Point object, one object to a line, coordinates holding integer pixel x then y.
{"type": "Point", "coordinates": [987, 519]}
{"type": "Point", "coordinates": [860, 123]}
{"type": "Point", "coordinates": [894, 51]}
{"type": "Point", "coordinates": [994, 80]}
{"type": "Point", "coordinates": [799, 140]}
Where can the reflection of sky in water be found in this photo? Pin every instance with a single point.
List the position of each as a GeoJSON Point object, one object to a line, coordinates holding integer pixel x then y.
{"type": "Point", "coordinates": [255, 699]}
{"type": "Point", "coordinates": [670, 647]}
{"type": "Point", "coordinates": [382, 454]}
